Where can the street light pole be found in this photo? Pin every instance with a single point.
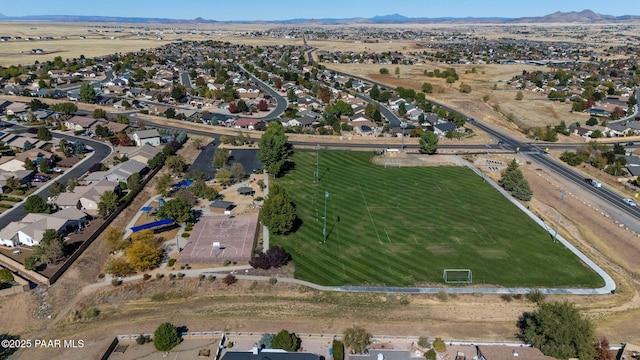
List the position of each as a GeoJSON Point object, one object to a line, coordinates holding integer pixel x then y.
{"type": "Point", "coordinates": [324, 229]}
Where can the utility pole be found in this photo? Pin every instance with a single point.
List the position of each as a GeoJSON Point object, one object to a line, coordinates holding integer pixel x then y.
{"type": "Point", "coordinates": [324, 229]}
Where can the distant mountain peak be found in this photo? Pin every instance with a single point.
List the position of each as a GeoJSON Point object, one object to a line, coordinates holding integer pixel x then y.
{"type": "Point", "coordinates": [389, 18]}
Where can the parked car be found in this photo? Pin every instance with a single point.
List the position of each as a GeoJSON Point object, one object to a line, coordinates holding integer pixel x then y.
{"type": "Point", "coordinates": [630, 143]}
{"type": "Point", "coordinates": [57, 170]}
{"type": "Point", "coordinates": [629, 202]}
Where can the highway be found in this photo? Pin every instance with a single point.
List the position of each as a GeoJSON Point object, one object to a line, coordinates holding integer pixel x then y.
{"type": "Point", "coordinates": [100, 152]}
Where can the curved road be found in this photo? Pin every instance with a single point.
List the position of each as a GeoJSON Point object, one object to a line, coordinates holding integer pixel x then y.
{"type": "Point", "coordinates": [100, 152]}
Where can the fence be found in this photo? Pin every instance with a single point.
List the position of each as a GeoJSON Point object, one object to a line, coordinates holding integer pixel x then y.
{"type": "Point", "coordinates": [97, 231]}
{"type": "Point", "coordinates": [110, 349]}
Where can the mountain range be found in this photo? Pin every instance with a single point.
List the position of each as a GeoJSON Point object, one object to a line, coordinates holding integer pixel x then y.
{"type": "Point", "coordinates": [585, 16]}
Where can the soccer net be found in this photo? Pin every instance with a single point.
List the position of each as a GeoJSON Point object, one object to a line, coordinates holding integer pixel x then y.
{"type": "Point", "coordinates": [457, 276]}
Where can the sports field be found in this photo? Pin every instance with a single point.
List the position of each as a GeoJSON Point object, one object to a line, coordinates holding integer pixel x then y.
{"type": "Point", "coordinates": [404, 226]}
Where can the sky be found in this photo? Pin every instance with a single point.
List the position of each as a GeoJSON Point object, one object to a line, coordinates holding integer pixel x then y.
{"type": "Point", "coordinates": [225, 10]}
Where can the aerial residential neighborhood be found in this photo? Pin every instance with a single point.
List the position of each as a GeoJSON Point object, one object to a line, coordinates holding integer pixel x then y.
{"type": "Point", "coordinates": [286, 183]}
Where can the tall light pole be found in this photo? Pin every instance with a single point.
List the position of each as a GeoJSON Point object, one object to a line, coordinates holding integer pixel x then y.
{"type": "Point", "coordinates": [403, 125]}
{"type": "Point", "coordinates": [317, 162]}
{"type": "Point", "coordinates": [324, 229]}
{"type": "Point", "coordinates": [555, 237]}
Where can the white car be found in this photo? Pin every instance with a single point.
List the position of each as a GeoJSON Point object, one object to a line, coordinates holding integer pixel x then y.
{"type": "Point", "coordinates": [629, 202]}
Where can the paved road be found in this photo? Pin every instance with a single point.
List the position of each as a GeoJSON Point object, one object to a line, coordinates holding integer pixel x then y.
{"type": "Point", "coordinates": [185, 80]}
{"type": "Point", "coordinates": [100, 152]}
{"type": "Point", "coordinates": [281, 104]}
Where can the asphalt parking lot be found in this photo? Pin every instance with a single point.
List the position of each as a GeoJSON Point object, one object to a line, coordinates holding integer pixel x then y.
{"type": "Point", "coordinates": [247, 157]}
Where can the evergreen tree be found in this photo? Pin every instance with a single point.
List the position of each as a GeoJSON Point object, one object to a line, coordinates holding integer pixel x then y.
{"type": "Point", "coordinates": [428, 143]}
{"type": "Point", "coordinates": [274, 149]}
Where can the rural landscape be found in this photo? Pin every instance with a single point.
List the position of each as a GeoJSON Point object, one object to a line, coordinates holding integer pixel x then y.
{"type": "Point", "coordinates": [292, 185]}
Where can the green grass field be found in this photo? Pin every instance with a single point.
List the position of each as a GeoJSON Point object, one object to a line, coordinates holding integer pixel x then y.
{"type": "Point", "coordinates": [403, 226]}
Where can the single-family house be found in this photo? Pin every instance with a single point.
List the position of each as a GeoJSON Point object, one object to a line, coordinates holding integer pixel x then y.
{"type": "Point", "coordinates": [78, 123]}
{"type": "Point", "coordinates": [86, 198]}
{"type": "Point", "coordinates": [269, 354]}
{"type": "Point", "coordinates": [250, 124]}
{"type": "Point", "coordinates": [151, 137]}
{"type": "Point", "coordinates": [123, 171]}
{"type": "Point", "coordinates": [142, 154]}
{"type": "Point", "coordinates": [31, 228]}
{"type": "Point", "coordinates": [492, 352]}
{"type": "Point", "coordinates": [441, 129]}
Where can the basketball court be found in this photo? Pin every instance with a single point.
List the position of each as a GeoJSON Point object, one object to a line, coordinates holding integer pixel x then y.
{"type": "Point", "coordinates": [219, 238]}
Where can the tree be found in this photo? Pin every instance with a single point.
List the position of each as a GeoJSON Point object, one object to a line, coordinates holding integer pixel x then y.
{"type": "Point", "coordinates": [122, 118]}
{"type": "Point", "coordinates": [118, 267]}
{"type": "Point", "coordinates": [108, 203]}
{"type": "Point", "coordinates": [357, 339]}
{"type": "Point", "coordinates": [427, 88]}
{"type": "Point", "coordinates": [402, 109]}
{"type": "Point", "coordinates": [198, 143]}
{"type": "Point", "coordinates": [176, 164]}
{"type": "Point", "coordinates": [375, 92]}
{"type": "Point", "coordinates": [143, 256]}
{"type": "Point", "coordinates": [99, 114]}
{"type": "Point", "coordinates": [43, 134]}
{"type": "Point", "coordinates": [6, 276]}
{"type": "Point", "coordinates": [265, 341]}
{"type": "Point", "coordinates": [274, 149]}
{"type": "Point", "coordinates": [162, 184]}
{"type": "Point", "coordinates": [113, 238]}
{"type": "Point", "coordinates": [65, 108]}
{"type": "Point", "coordinates": [87, 93]}
{"type": "Point", "coordinates": [592, 121]}
{"type": "Point", "coordinates": [30, 263]}
{"type": "Point", "coordinates": [29, 165]}
{"type": "Point", "coordinates": [200, 189]}
{"type": "Point", "coordinates": [602, 350]}
{"type": "Point", "coordinates": [44, 167]}
{"type": "Point", "coordinates": [278, 214]}
{"type": "Point", "coordinates": [384, 71]}
{"type": "Point", "coordinates": [558, 330]}
{"type": "Point", "coordinates": [262, 106]}
{"type": "Point", "coordinates": [513, 180]}
{"type": "Point", "coordinates": [286, 341]}
{"type": "Point", "coordinates": [133, 182]}
{"type": "Point", "coordinates": [237, 171]}
{"type": "Point", "coordinates": [56, 188]}
{"type": "Point", "coordinates": [223, 177]}
{"type": "Point", "coordinates": [220, 157]}
{"type": "Point", "coordinates": [166, 337]}
{"type": "Point", "coordinates": [51, 247]}
{"type": "Point", "coordinates": [233, 108]}
{"type": "Point", "coordinates": [274, 257]}
{"type": "Point", "coordinates": [428, 143]}
{"type": "Point", "coordinates": [178, 210]}
{"type": "Point", "coordinates": [242, 106]}
{"type": "Point", "coordinates": [36, 204]}
{"type": "Point", "coordinates": [71, 184]}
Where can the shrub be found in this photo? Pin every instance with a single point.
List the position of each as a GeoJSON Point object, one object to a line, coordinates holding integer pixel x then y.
{"type": "Point", "coordinates": [90, 313]}
{"type": "Point", "coordinates": [517, 296]}
{"type": "Point", "coordinates": [201, 277]}
{"type": "Point", "coordinates": [273, 281]}
{"type": "Point", "coordinates": [19, 192]}
{"type": "Point", "coordinates": [265, 341]}
{"type": "Point", "coordinates": [159, 276]}
{"type": "Point", "coordinates": [226, 263]}
{"type": "Point", "coordinates": [338, 350]}
{"type": "Point", "coordinates": [166, 337]}
{"type": "Point", "coordinates": [423, 342]}
{"type": "Point", "coordinates": [171, 262]}
{"type": "Point", "coordinates": [116, 282]}
{"type": "Point", "coordinates": [442, 295]}
{"type": "Point", "coordinates": [439, 345]}
{"type": "Point", "coordinates": [230, 345]}
{"type": "Point", "coordinates": [506, 297]}
{"type": "Point", "coordinates": [229, 280]}
{"type": "Point", "coordinates": [211, 278]}
{"type": "Point", "coordinates": [6, 206]}
{"type": "Point", "coordinates": [172, 276]}
{"type": "Point", "coordinates": [159, 297]}
{"type": "Point", "coordinates": [146, 277]}
{"type": "Point", "coordinates": [286, 341]}
{"type": "Point", "coordinates": [143, 339]}
{"type": "Point", "coordinates": [536, 296]}
{"type": "Point", "coordinates": [181, 275]}
{"type": "Point", "coordinates": [185, 235]}
{"type": "Point", "coordinates": [430, 354]}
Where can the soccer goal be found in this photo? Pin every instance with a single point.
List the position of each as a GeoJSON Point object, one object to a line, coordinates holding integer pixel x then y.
{"type": "Point", "coordinates": [457, 276]}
